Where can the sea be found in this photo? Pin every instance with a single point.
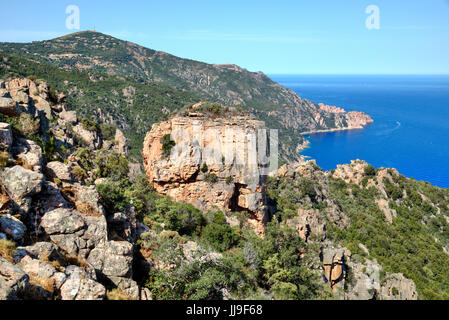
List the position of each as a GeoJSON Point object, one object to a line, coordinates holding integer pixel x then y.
{"type": "Point", "coordinates": [411, 122]}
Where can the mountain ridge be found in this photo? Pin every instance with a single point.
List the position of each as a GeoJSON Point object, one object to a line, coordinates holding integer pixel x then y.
{"type": "Point", "coordinates": [97, 54]}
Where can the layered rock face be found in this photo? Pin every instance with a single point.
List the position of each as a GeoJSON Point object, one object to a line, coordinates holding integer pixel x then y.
{"type": "Point", "coordinates": [214, 161]}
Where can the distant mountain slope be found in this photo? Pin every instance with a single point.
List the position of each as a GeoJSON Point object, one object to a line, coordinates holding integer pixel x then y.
{"type": "Point", "coordinates": [228, 84]}
{"type": "Point", "coordinates": [279, 107]}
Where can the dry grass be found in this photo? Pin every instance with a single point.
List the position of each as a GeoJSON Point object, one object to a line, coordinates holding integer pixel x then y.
{"type": "Point", "coordinates": [87, 210]}
{"type": "Point", "coordinates": [79, 173]}
{"type": "Point", "coordinates": [24, 163]}
{"type": "Point", "coordinates": [54, 263]}
{"type": "Point", "coordinates": [117, 294]}
{"type": "Point", "coordinates": [7, 249]}
{"type": "Point", "coordinates": [75, 261]}
{"type": "Point", "coordinates": [47, 284]}
{"type": "Point", "coordinates": [4, 159]}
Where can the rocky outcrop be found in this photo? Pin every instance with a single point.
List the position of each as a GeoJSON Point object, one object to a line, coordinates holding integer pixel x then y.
{"type": "Point", "coordinates": [351, 279]}
{"type": "Point", "coordinates": [213, 161]}
{"type": "Point", "coordinates": [58, 219]}
{"type": "Point", "coordinates": [357, 173]}
{"type": "Point", "coordinates": [334, 265]}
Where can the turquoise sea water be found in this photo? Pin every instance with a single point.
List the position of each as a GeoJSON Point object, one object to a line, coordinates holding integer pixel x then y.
{"type": "Point", "coordinates": [411, 128]}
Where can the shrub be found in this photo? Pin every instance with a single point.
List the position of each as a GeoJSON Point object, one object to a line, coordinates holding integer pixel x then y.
{"type": "Point", "coordinates": [108, 131]}
{"type": "Point", "coordinates": [220, 235]}
{"type": "Point", "coordinates": [50, 149]}
{"type": "Point", "coordinates": [370, 171]}
{"type": "Point", "coordinates": [79, 173]}
{"type": "Point", "coordinates": [211, 178]}
{"type": "Point", "coordinates": [183, 218]}
{"type": "Point", "coordinates": [90, 125]}
{"type": "Point", "coordinates": [53, 95]}
{"type": "Point", "coordinates": [85, 157]}
{"type": "Point", "coordinates": [28, 126]}
{"type": "Point", "coordinates": [307, 188]}
{"type": "Point", "coordinates": [204, 168]}
{"type": "Point", "coordinates": [113, 196]}
{"type": "Point", "coordinates": [111, 165]}
{"type": "Point", "coordinates": [167, 145]}
{"type": "Point", "coordinates": [229, 180]}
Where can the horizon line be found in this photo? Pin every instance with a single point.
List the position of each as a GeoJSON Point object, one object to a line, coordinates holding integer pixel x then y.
{"type": "Point", "coordinates": [356, 74]}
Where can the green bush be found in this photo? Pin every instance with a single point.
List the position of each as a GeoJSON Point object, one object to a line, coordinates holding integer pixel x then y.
{"type": "Point", "coordinates": [90, 125]}
{"type": "Point", "coordinates": [108, 131]}
{"type": "Point", "coordinates": [211, 178]}
{"type": "Point", "coordinates": [370, 171]}
{"type": "Point", "coordinates": [167, 145]}
{"type": "Point", "coordinates": [113, 196]}
{"type": "Point", "coordinates": [218, 234]}
{"type": "Point", "coordinates": [281, 268]}
{"type": "Point", "coordinates": [110, 165]}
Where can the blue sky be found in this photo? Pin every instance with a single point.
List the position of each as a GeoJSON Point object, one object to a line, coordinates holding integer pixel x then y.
{"type": "Point", "coordinates": [276, 37]}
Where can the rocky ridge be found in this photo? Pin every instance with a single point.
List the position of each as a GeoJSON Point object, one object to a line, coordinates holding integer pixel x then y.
{"type": "Point", "coordinates": [61, 228]}
{"type": "Point", "coordinates": [350, 276]}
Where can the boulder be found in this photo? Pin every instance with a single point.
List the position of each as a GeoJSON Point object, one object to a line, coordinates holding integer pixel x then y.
{"type": "Point", "coordinates": [68, 117]}
{"type": "Point", "coordinates": [20, 182]}
{"type": "Point", "coordinates": [52, 198]}
{"type": "Point", "coordinates": [37, 269]}
{"type": "Point", "coordinates": [74, 232]}
{"type": "Point", "coordinates": [9, 107]}
{"type": "Point", "coordinates": [145, 294]}
{"type": "Point", "coordinates": [20, 96]}
{"type": "Point", "coordinates": [62, 221]}
{"type": "Point", "coordinates": [29, 152]}
{"type": "Point", "coordinates": [365, 282]}
{"type": "Point", "coordinates": [81, 286]}
{"type": "Point", "coordinates": [213, 163]}
{"type": "Point", "coordinates": [333, 265]}
{"type": "Point", "coordinates": [13, 281]}
{"type": "Point", "coordinates": [397, 287]}
{"type": "Point", "coordinates": [59, 170]}
{"type": "Point", "coordinates": [91, 138]}
{"type": "Point", "coordinates": [114, 259]}
{"type": "Point", "coordinates": [87, 200]}
{"type": "Point", "coordinates": [39, 250]}
{"type": "Point", "coordinates": [128, 286]}
{"type": "Point", "coordinates": [13, 227]}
